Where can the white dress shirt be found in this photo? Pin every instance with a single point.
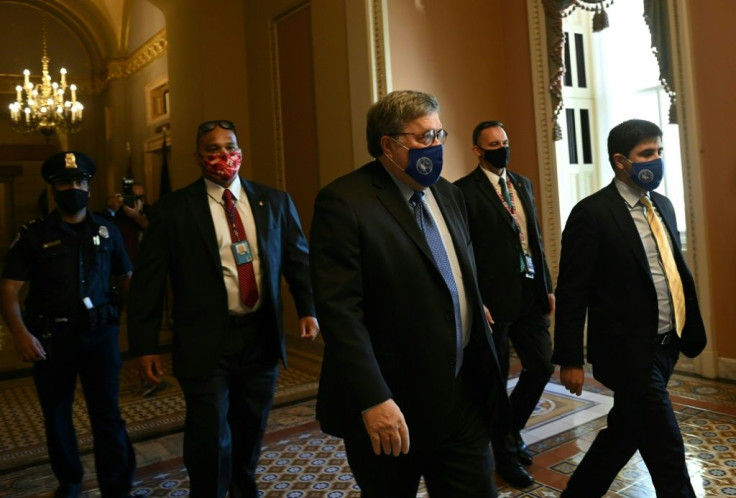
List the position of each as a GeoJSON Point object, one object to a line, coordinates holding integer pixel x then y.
{"type": "Point", "coordinates": [638, 214]}
{"type": "Point", "coordinates": [224, 242]}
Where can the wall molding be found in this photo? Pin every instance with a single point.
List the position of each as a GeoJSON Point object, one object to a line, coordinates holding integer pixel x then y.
{"type": "Point", "coordinates": [548, 201]}
{"type": "Point", "coordinates": [727, 368]}
{"type": "Point", "coordinates": [380, 57]}
{"type": "Point", "coordinates": [278, 131]}
{"type": "Point", "coordinates": [153, 49]}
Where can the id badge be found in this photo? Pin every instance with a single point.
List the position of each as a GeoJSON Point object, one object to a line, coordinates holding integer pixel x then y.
{"type": "Point", "coordinates": [241, 251]}
{"type": "Point", "coordinates": [529, 266]}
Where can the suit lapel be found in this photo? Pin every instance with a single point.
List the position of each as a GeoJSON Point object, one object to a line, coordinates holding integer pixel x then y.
{"type": "Point", "coordinates": [257, 203]}
{"type": "Point", "coordinates": [671, 226]}
{"type": "Point", "coordinates": [201, 217]}
{"type": "Point", "coordinates": [454, 222]}
{"type": "Point", "coordinates": [390, 196]}
{"type": "Point", "coordinates": [489, 192]}
{"type": "Point", "coordinates": [258, 206]}
{"type": "Point", "coordinates": [622, 217]}
{"type": "Point", "coordinates": [669, 223]}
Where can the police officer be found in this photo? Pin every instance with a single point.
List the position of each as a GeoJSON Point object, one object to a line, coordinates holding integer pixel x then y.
{"type": "Point", "coordinates": [70, 322]}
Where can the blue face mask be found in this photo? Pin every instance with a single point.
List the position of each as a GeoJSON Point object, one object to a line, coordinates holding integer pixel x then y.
{"type": "Point", "coordinates": [425, 164]}
{"type": "Point", "coordinates": [647, 175]}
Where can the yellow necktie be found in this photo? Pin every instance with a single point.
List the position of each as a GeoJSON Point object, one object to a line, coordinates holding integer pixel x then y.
{"type": "Point", "coordinates": [668, 262]}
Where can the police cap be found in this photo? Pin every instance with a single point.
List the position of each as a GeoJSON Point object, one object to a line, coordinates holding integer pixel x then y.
{"type": "Point", "coordinates": [69, 165]}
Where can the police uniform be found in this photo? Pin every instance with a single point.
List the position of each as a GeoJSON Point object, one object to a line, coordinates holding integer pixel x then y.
{"type": "Point", "coordinates": [72, 311]}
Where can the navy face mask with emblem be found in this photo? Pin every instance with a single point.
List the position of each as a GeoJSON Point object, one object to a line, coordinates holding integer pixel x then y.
{"type": "Point", "coordinates": [647, 175]}
{"type": "Point", "coordinates": [72, 200]}
{"type": "Point", "coordinates": [425, 165]}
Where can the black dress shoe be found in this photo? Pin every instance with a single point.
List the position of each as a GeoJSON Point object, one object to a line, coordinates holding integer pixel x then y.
{"type": "Point", "coordinates": [69, 491]}
{"type": "Point", "coordinates": [522, 452]}
{"type": "Point", "coordinates": [515, 474]}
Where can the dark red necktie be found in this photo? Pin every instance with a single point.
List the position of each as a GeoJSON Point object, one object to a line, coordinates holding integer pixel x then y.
{"type": "Point", "coordinates": [246, 273]}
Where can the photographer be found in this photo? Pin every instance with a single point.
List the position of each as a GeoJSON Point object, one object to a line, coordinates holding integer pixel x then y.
{"type": "Point", "coordinates": [129, 211]}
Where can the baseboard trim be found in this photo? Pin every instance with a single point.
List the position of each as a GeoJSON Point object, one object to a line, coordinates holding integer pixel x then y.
{"type": "Point", "coordinates": [727, 368]}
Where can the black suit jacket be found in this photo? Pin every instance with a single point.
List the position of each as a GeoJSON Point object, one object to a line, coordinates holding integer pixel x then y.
{"type": "Point", "coordinates": [497, 245]}
{"type": "Point", "coordinates": [604, 272]}
{"type": "Point", "coordinates": [180, 242]}
{"type": "Point", "coordinates": [385, 312]}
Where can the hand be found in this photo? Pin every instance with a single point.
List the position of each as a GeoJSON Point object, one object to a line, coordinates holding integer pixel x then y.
{"type": "Point", "coordinates": [308, 327]}
{"type": "Point", "coordinates": [489, 318]}
{"type": "Point", "coordinates": [115, 201]}
{"type": "Point", "coordinates": [138, 217]}
{"type": "Point", "coordinates": [387, 428]}
{"type": "Point", "coordinates": [149, 368]}
{"type": "Point", "coordinates": [28, 347]}
{"type": "Point", "coordinates": [572, 378]}
{"type": "Point", "coordinates": [552, 301]}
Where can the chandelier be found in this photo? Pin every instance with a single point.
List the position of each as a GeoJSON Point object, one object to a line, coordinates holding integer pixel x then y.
{"type": "Point", "coordinates": [43, 107]}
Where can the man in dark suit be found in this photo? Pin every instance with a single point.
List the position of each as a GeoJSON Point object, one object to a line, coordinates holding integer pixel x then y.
{"type": "Point", "coordinates": [621, 264]}
{"type": "Point", "coordinates": [407, 346]}
{"type": "Point", "coordinates": [224, 242]}
{"type": "Point", "coordinates": [514, 282]}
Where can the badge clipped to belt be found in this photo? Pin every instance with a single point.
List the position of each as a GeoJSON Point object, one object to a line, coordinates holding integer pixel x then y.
{"type": "Point", "coordinates": [242, 252]}
{"type": "Point", "coordinates": [529, 270]}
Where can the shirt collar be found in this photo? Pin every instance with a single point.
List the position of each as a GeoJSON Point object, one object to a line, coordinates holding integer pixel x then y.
{"type": "Point", "coordinates": [215, 191]}
{"type": "Point", "coordinates": [629, 193]}
{"type": "Point", "coordinates": [405, 190]}
{"type": "Point", "coordinates": [493, 176]}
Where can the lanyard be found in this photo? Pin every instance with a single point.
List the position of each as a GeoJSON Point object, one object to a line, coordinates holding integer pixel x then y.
{"type": "Point", "coordinates": [512, 211]}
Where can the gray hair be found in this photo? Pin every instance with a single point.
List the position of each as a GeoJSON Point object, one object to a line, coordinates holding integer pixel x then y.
{"type": "Point", "coordinates": [391, 113]}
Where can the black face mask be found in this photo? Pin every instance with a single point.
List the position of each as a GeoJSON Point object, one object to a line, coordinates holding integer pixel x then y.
{"type": "Point", "coordinates": [72, 200]}
{"type": "Point", "coordinates": [498, 158]}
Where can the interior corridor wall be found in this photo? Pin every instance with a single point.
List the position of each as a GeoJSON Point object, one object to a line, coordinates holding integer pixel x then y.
{"type": "Point", "coordinates": [474, 56]}
{"type": "Point", "coordinates": [713, 42]}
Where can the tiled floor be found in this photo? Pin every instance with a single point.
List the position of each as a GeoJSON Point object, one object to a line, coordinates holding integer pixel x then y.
{"type": "Point", "coordinates": [299, 461]}
{"type": "Point", "coordinates": [706, 412]}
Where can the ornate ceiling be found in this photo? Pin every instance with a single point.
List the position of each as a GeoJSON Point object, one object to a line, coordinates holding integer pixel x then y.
{"type": "Point", "coordinates": [88, 37]}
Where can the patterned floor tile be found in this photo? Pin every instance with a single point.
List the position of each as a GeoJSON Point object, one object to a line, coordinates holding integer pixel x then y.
{"type": "Point", "coordinates": [299, 461]}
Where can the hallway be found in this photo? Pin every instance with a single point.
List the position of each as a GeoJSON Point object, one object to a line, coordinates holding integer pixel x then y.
{"type": "Point", "coordinates": [298, 461]}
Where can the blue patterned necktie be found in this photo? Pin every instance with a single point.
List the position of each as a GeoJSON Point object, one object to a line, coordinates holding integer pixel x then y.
{"type": "Point", "coordinates": [434, 239]}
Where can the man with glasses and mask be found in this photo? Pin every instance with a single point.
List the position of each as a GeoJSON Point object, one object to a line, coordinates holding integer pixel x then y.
{"type": "Point", "coordinates": [514, 281]}
{"type": "Point", "coordinates": [69, 325]}
{"type": "Point", "coordinates": [621, 267]}
{"type": "Point", "coordinates": [410, 378]}
{"type": "Point", "coordinates": [225, 243]}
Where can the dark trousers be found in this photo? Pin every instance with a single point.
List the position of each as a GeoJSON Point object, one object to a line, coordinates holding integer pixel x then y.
{"type": "Point", "coordinates": [455, 463]}
{"type": "Point", "coordinates": [646, 423]}
{"type": "Point", "coordinates": [226, 413]}
{"type": "Point", "coordinates": [95, 358]}
{"type": "Point", "coordinates": [531, 339]}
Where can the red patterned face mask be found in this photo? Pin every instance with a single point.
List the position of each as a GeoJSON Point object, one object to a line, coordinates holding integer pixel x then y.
{"type": "Point", "coordinates": [222, 166]}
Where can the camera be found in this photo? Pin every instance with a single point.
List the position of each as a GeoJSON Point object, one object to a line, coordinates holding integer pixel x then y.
{"type": "Point", "coordinates": [128, 195]}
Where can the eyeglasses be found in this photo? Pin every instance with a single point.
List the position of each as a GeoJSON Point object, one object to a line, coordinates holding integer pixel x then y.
{"type": "Point", "coordinates": [428, 137]}
{"type": "Point", "coordinates": [208, 126]}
